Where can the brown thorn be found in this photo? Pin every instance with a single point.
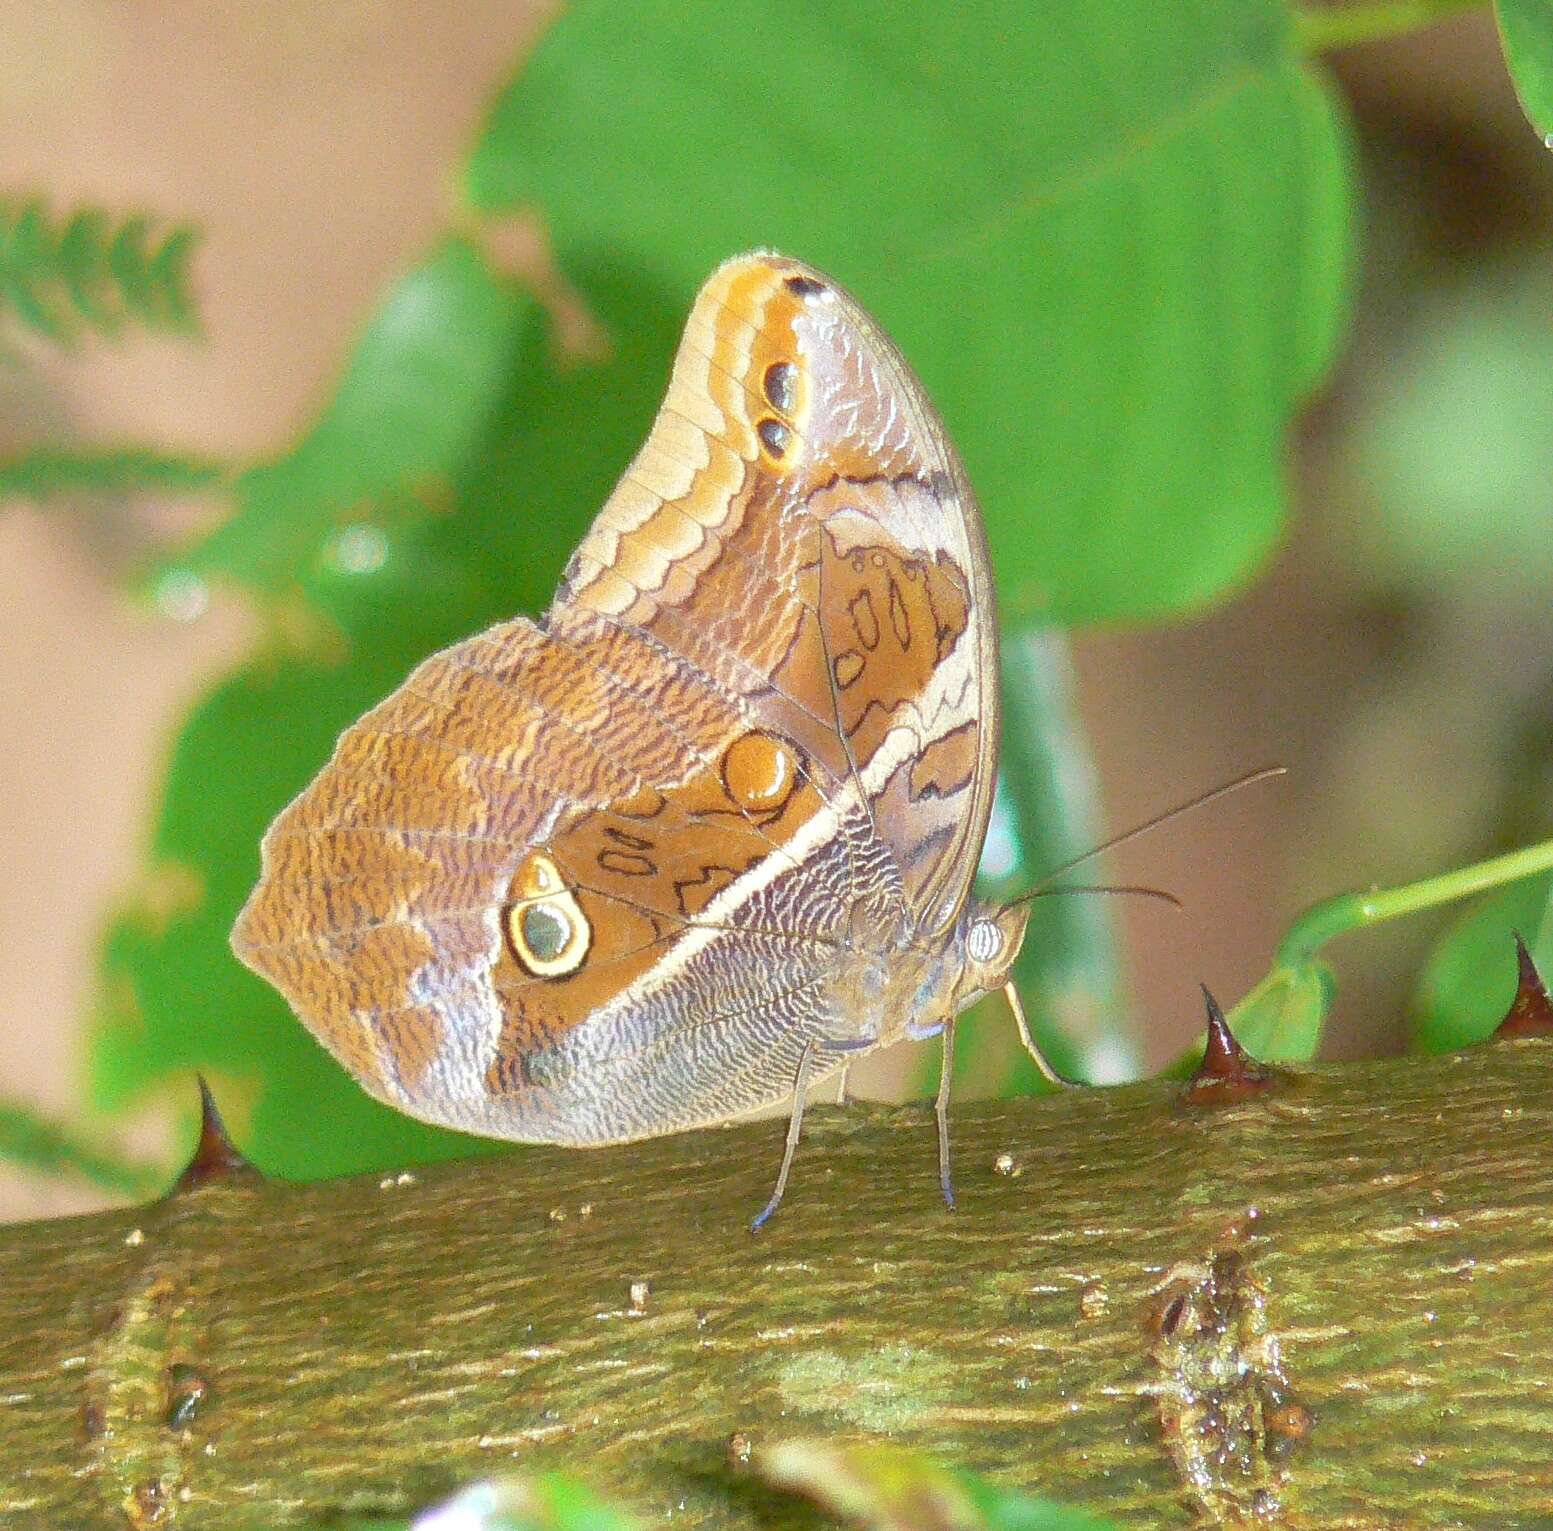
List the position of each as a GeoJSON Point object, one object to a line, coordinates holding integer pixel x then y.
{"type": "Point", "coordinates": [1531, 1012]}
{"type": "Point", "coordinates": [215, 1158]}
{"type": "Point", "coordinates": [1227, 1073]}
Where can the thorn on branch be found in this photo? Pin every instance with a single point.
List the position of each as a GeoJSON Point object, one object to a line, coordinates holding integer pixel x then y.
{"type": "Point", "coordinates": [1531, 1012]}
{"type": "Point", "coordinates": [1227, 1073]}
{"type": "Point", "coordinates": [215, 1157]}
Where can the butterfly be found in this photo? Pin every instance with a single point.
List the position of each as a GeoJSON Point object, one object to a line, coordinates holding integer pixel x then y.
{"type": "Point", "coordinates": [706, 831]}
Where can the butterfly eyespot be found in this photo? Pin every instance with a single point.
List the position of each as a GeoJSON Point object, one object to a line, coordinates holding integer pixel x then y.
{"type": "Point", "coordinates": [781, 386]}
{"type": "Point", "coordinates": [546, 929]}
{"type": "Point", "coordinates": [775, 437]}
{"type": "Point", "coordinates": [759, 772]}
{"type": "Point", "coordinates": [803, 286]}
{"type": "Point", "coordinates": [984, 941]}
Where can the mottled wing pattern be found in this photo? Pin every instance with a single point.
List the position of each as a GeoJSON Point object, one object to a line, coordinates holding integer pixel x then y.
{"type": "Point", "coordinates": [595, 878]}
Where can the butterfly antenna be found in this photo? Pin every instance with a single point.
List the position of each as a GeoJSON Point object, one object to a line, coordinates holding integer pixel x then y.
{"type": "Point", "coordinates": [1212, 795]}
{"type": "Point", "coordinates": [1139, 890]}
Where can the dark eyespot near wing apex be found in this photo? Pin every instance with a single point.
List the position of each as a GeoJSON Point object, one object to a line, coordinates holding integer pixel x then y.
{"type": "Point", "coordinates": [780, 385]}
{"type": "Point", "coordinates": [775, 437]}
{"type": "Point", "coordinates": [803, 286]}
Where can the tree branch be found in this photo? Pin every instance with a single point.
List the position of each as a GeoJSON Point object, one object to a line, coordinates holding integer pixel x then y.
{"type": "Point", "coordinates": [1322, 1303]}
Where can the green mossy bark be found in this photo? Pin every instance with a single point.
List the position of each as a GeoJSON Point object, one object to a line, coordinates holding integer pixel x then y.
{"type": "Point", "coordinates": [1327, 1305]}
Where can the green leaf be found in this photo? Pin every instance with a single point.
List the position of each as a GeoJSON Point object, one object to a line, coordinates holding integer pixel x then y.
{"type": "Point", "coordinates": [888, 1488]}
{"type": "Point", "coordinates": [407, 415]}
{"type": "Point", "coordinates": [1280, 1020]}
{"type": "Point", "coordinates": [1526, 29]}
{"type": "Point", "coordinates": [1469, 979]}
{"type": "Point", "coordinates": [1113, 240]}
{"type": "Point", "coordinates": [43, 472]}
{"type": "Point", "coordinates": [90, 273]}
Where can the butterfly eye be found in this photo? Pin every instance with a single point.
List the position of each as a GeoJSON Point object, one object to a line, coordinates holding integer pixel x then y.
{"type": "Point", "coordinates": [984, 941]}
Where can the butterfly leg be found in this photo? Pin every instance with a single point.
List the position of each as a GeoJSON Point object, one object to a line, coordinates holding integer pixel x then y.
{"type": "Point", "coordinates": [1037, 1057]}
{"type": "Point", "coordinates": [794, 1123]}
{"type": "Point", "coordinates": [842, 1098]}
{"type": "Point", "coordinates": [941, 1111]}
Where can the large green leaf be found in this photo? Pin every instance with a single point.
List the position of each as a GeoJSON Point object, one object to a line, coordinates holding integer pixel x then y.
{"type": "Point", "coordinates": [1526, 26]}
{"type": "Point", "coordinates": [1112, 237]}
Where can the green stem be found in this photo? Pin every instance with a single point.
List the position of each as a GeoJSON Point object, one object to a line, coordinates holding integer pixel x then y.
{"type": "Point", "coordinates": [1353, 911]}
{"type": "Point", "coordinates": [1319, 30]}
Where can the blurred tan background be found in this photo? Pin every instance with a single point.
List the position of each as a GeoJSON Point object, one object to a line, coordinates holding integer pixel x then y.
{"type": "Point", "coordinates": [312, 140]}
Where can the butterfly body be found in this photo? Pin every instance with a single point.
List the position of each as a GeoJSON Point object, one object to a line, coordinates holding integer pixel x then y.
{"type": "Point", "coordinates": [709, 825]}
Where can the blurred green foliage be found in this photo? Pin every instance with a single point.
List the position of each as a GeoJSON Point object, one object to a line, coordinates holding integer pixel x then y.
{"type": "Point", "coordinates": [1115, 245]}
{"type": "Point", "coordinates": [46, 1149]}
{"type": "Point", "coordinates": [876, 1487]}
{"type": "Point", "coordinates": [1450, 451]}
{"type": "Point", "coordinates": [1526, 27]}
{"type": "Point", "coordinates": [553, 1501]}
{"type": "Point", "coordinates": [889, 1488]}
{"type": "Point", "coordinates": [1047, 815]}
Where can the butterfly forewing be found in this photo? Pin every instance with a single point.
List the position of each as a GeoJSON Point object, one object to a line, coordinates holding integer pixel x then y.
{"type": "Point", "coordinates": [595, 878]}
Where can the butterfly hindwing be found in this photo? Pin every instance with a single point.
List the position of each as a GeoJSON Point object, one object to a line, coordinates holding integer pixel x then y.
{"type": "Point", "coordinates": [595, 877]}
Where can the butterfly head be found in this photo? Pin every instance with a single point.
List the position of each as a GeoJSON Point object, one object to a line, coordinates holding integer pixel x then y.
{"type": "Point", "coordinates": [987, 939]}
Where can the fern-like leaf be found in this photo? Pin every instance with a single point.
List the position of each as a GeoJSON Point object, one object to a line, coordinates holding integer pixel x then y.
{"type": "Point", "coordinates": [86, 272]}
{"type": "Point", "coordinates": [33, 1142]}
{"type": "Point", "coordinates": [41, 473]}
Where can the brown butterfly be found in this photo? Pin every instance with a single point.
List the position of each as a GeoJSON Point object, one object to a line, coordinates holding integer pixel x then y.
{"type": "Point", "coordinates": [706, 831]}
